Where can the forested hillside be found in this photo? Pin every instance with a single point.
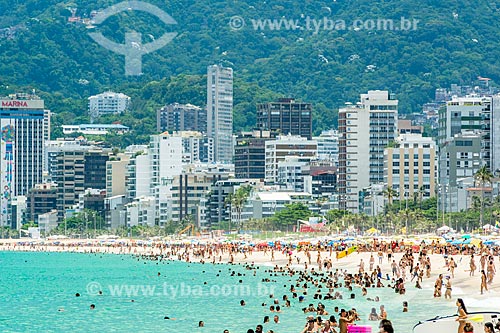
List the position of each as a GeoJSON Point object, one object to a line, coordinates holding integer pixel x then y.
{"type": "Point", "coordinates": [454, 42]}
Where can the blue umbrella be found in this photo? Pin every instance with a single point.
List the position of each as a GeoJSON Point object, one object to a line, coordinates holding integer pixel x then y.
{"type": "Point", "coordinates": [456, 242]}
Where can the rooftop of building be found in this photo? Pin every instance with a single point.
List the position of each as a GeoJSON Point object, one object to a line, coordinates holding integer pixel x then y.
{"type": "Point", "coordinates": [280, 196]}
{"type": "Point", "coordinates": [96, 126]}
{"type": "Point", "coordinates": [109, 94]}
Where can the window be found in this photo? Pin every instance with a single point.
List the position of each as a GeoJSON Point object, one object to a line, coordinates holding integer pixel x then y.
{"type": "Point", "coordinates": [415, 163]}
{"type": "Point", "coordinates": [407, 164]}
{"type": "Point", "coordinates": [427, 172]}
{"type": "Point", "coordinates": [407, 171]}
{"type": "Point", "coordinates": [394, 164]}
{"type": "Point", "coordinates": [395, 171]}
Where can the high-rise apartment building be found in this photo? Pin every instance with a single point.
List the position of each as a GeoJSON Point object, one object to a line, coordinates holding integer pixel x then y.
{"type": "Point", "coordinates": [95, 169]}
{"type": "Point", "coordinates": [181, 117]}
{"type": "Point", "coordinates": [107, 103]}
{"type": "Point", "coordinates": [116, 172]}
{"type": "Point", "coordinates": [286, 147]}
{"type": "Point", "coordinates": [220, 111]}
{"type": "Point", "coordinates": [250, 154]}
{"type": "Point", "coordinates": [410, 167]}
{"type": "Point", "coordinates": [25, 126]}
{"type": "Point", "coordinates": [328, 146]}
{"type": "Point", "coordinates": [473, 114]}
{"type": "Point", "coordinates": [459, 159]}
{"type": "Point", "coordinates": [365, 129]}
{"type": "Point", "coordinates": [70, 180]}
{"type": "Point", "coordinates": [286, 116]}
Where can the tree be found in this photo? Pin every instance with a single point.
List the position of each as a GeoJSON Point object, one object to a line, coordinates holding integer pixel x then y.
{"type": "Point", "coordinates": [421, 192]}
{"type": "Point", "coordinates": [289, 216]}
{"type": "Point", "coordinates": [237, 200]}
{"type": "Point", "coordinates": [390, 193]}
{"type": "Point", "coordinates": [483, 176]}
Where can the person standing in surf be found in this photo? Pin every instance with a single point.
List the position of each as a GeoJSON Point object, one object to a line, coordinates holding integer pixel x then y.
{"type": "Point", "coordinates": [462, 315]}
{"type": "Point", "coordinates": [484, 285]}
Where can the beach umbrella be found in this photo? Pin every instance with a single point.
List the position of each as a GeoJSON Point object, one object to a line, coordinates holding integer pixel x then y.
{"type": "Point", "coordinates": [489, 242]}
{"type": "Point", "coordinates": [475, 242]}
{"type": "Point", "coordinates": [270, 243]}
{"type": "Point", "coordinates": [466, 236]}
{"type": "Point", "coordinates": [456, 242]}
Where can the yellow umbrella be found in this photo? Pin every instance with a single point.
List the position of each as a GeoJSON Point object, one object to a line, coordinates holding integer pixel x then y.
{"type": "Point", "coordinates": [475, 242]}
{"type": "Point", "coordinates": [372, 231]}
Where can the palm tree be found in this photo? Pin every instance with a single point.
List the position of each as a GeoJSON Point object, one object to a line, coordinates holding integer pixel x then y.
{"type": "Point", "coordinates": [483, 176]}
{"type": "Point", "coordinates": [421, 192]}
{"type": "Point", "coordinates": [237, 201]}
{"type": "Point", "coordinates": [390, 193]}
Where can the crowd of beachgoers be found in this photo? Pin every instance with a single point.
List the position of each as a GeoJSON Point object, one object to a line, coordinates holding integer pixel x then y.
{"type": "Point", "coordinates": [323, 271]}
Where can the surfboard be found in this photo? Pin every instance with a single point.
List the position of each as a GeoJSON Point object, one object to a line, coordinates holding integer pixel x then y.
{"type": "Point", "coordinates": [449, 323]}
{"type": "Point", "coordinates": [347, 252]}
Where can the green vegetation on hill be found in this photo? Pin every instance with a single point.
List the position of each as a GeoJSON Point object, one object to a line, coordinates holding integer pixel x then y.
{"type": "Point", "coordinates": [455, 41]}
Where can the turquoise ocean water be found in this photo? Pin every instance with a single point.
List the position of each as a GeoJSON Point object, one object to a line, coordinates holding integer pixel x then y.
{"type": "Point", "coordinates": [34, 287]}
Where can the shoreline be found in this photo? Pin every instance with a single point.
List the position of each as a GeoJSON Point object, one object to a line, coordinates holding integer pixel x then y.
{"type": "Point", "coordinates": [463, 286]}
{"type": "Point", "coordinates": [462, 283]}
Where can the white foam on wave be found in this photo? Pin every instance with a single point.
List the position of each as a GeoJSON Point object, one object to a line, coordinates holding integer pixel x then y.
{"type": "Point", "coordinates": [486, 303]}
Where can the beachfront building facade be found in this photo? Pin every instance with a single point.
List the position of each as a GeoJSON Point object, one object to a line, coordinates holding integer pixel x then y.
{"type": "Point", "coordinates": [25, 126]}
{"type": "Point", "coordinates": [141, 211]}
{"type": "Point", "coordinates": [42, 198]}
{"type": "Point", "coordinates": [107, 103]}
{"type": "Point", "coordinates": [95, 168]}
{"type": "Point", "coordinates": [177, 117]}
{"type": "Point", "coordinates": [265, 204]}
{"type": "Point", "coordinates": [286, 147]}
{"type": "Point", "coordinates": [70, 180]}
{"type": "Point", "coordinates": [116, 175]}
{"type": "Point", "coordinates": [478, 114]}
{"type": "Point", "coordinates": [53, 148]}
{"type": "Point", "coordinates": [220, 111]}
{"type": "Point", "coordinates": [459, 159]}
{"type": "Point", "coordinates": [365, 130]}
{"type": "Point", "coordinates": [410, 167]}
{"type": "Point", "coordinates": [250, 154]}
{"type": "Point", "coordinates": [218, 209]}
{"type": "Point", "coordinates": [138, 173]}
{"type": "Point", "coordinates": [286, 116]}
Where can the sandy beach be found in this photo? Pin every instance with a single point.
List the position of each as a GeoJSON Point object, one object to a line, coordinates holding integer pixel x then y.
{"type": "Point", "coordinates": [463, 284]}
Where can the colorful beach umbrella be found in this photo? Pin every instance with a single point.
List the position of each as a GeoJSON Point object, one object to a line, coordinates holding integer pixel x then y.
{"type": "Point", "coordinates": [475, 242]}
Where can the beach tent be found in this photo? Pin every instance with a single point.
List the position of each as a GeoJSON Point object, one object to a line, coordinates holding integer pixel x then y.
{"type": "Point", "coordinates": [488, 227]}
{"type": "Point", "coordinates": [444, 228]}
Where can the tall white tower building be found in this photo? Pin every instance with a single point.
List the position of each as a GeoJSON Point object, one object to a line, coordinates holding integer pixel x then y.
{"type": "Point", "coordinates": [220, 111]}
{"type": "Point", "coordinates": [25, 126]}
{"type": "Point", "coordinates": [365, 130]}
